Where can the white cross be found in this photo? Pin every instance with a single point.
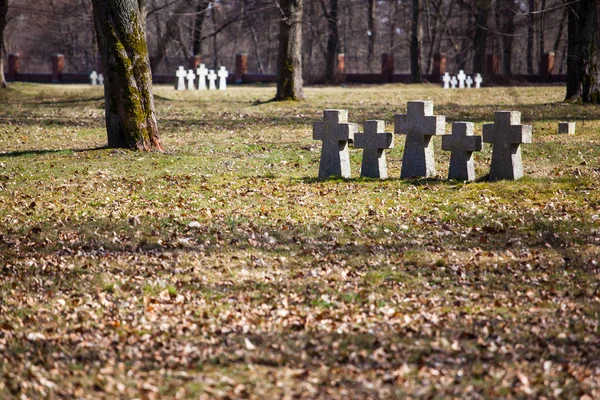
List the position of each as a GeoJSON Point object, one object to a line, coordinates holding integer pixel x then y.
{"type": "Point", "coordinates": [212, 77]}
{"type": "Point", "coordinates": [478, 80]}
{"type": "Point", "coordinates": [453, 82]}
{"type": "Point", "coordinates": [94, 77]}
{"type": "Point", "coordinates": [446, 80]}
{"type": "Point", "coordinates": [100, 79]}
{"type": "Point", "coordinates": [191, 77]}
{"type": "Point", "coordinates": [181, 74]}
{"type": "Point", "coordinates": [461, 79]}
{"type": "Point", "coordinates": [202, 72]}
{"type": "Point", "coordinates": [223, 75]}
{"type": "Point", "coordinates": [469, 81]}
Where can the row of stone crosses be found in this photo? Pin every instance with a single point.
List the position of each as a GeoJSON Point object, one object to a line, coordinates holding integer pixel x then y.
{"type": "Point", "coordinates": [203, 75]}
{"type": "Point", "coordinates": [461, 79]}
{"type": "Point", "coordinates": [419, 125]}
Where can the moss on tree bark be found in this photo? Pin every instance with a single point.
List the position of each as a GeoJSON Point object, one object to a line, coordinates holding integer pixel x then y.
{"type": "Point", "coordinates": [289, 61]}
{"type": "Point", "coordinates": [129, 103]}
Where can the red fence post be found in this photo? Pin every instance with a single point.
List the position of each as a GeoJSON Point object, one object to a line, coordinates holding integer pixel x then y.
{"type": "Point", "coordinates": [58, 65]}
{"type": "Point", "coordinates": [439, 67]}
{"type": "Point", "coordinates": [492, 65]}
{"type": "Point", "coordinates": [241, 67]}
{"type": "Point", "coordinates": [387, 66]}
{"type": "Point", "coordinates": [546, 65]}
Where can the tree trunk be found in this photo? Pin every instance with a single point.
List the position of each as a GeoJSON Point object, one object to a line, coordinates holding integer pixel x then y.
{"type": "Point", "coordinates": [415, 50]}
{"type": "Point", "coordinates": [583, 63]}
{"type": "Point", "coordinates": [480, 38]}
{"type": "Point", "coordinates": [289, 59]}
{"type": "Point", "coordinates": [530, 20]}
{"type": "Point", "coordinates": [508, 27]}
{"type": "Point", "coordinates": [3, 12]}
{"type": "Point", "coordinates": [201, 10]}
{"type": "Point", "coordinates": [171, 33]}
{"type": "Point", "coordinates": [333, 42]}
{"type": "Point", "coordinates": [129, 103]}
{"type": "Point", "coordinates": [372, 34]}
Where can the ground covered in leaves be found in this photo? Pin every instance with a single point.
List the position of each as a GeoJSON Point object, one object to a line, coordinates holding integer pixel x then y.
{"type": "Point", "coordinates": [223, 269]}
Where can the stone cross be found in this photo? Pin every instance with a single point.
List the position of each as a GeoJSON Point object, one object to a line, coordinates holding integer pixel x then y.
{"type": "Point", "coordinates": [478, 80]}
{"type": "Point", "coordinates": [469, 81]}
{"type": "Point", "coordinates": [567, 128]}
{"type": "Point", "coordinates": [419, 125]}
{"type": "Point", "coordinates": [462, 143]}
{"type": "Point", "coordinates": [94, 78]}
{"type": "Point", "coordinates": [506, 134]}
{"type": "Point", "coordinates": [446, 80]}
{"type": "Point", "coordinates": [223, 75]}
{"type": "Point", "coordinates": [461, 79]}
{"type": "Point", "coordinates": [100, 79]}
{"type": "Point", "coordinates": [181, 74]}
{"type": "Point", "coordinates": [374, 141]}
{"type": "Point", "coordinates": [191, 77]}
{"type": "Point", "coordinates": [335, 132]}
{"type": "Point", "coordinates": [202, 72]}
{"type": "Point", "coordinates": [453, 82]}
{"type": "Point", "coordinates": [212, 77]}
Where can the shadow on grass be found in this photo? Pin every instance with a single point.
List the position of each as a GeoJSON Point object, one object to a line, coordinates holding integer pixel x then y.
{"type": "Point", "coordinates": [26, 153]}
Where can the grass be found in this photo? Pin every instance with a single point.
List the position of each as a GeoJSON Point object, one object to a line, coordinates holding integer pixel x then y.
{"type": "Point", "coordinates": [222, 268]}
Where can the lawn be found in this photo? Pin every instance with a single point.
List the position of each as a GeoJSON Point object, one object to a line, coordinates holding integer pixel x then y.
{"type": "Point", "coordinates": [222, 268]}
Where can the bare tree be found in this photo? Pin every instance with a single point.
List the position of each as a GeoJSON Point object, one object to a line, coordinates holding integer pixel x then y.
{"type": "Point", "coordinates": [333, 40]}
{"type": "Point", "coordinates": [583, 63]}
{"type": "Point", "coordinates": [129, 103]}
{"type": "Point", "coordinates": [415, 49]}
{"type": "Point", "coordinates": [289, 59]}
{"type": "Point", "coordinates": [3, 12]}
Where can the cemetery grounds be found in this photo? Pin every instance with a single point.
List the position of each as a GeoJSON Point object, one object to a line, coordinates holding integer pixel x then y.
{"type": "Point", "coordinates": [223, 269]}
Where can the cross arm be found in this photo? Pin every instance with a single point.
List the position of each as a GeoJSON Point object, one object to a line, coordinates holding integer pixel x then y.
{"type": "Point", "coordinates": [346, 131]}
{"type": "Point", "coordinates": [489, 133]}
{"type": "Point", "coordinates": [435, 125]}
{"type": "Point", "coordinates": [317, 131]}
{"type": "Point", "coordinates": [521, 134]}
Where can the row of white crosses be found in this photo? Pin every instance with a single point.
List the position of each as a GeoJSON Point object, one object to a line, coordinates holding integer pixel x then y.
{"type": "Point", "coordinates": [203, 75]}
{"type": "Point", "coordinates": [96, 79]}
{"type": "Point", "coordinates": [461, 79]}
{"type": "Point", "coordinates": [419, 125]}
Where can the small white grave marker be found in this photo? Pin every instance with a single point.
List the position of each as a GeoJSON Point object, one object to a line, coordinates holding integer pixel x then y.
{"type": "Point", "coordinates": [191, 77]}
{"type": "Point", "coordinates": [181, 74]}
{"type": "Point", "coordinates": [461, 79]}
{"type": "Point", "coordinates": [202, 72]}
{"type": "Point", "coordinates": [94, 78]}
{"type": "Point", "coordinates": [212, 77]}
{"type": "Point", "coordinates": [478, 80]}
{"type": "Point", "coordinates": [469, 81]}
{"type": "Point", "coordinates": [453, 82]}
{"type": "Point", "coordinates": [446, 80]}
{"type": "Point", "coordinates": [100, 79]}
{"type": "Point", "coordinates": [223, 75]}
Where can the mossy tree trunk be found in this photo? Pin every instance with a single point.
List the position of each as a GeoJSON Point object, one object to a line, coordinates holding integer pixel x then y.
{"type": "Point", "coordinates": [289, 59]}
{"type": "Point", "coordinates": [129, 103]}
{"type": "Point", "coordinates": [583, 62]}
{"type": "Point", "coordinates": [3, 12]}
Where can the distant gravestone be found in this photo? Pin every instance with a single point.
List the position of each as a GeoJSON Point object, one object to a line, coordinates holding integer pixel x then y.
{"type": "Point", "coordinates": [461, 143]}
{"type": "Point", "coordinates": [478, 80]}
{"type": "Point", "coordinates": [223, 75]}
{"type": "Point", "coordinates": [506, 135]}
{"type": "Point", "coordinates": [374, 141]}
{"type": "Point", "coordinates": [94, 78]}
{"type": "Point", "coordinates": [100, 79]}
{"type": "Point", "coordinates": [181, 74]}
{"type": "Point", "coordinates": [461, 79]}
{"type": "Point", "coordinates": [453, 82]}
{"type": "Point", "coordinates": [335, 132]}
{"type": "Point", "coordinates": [191, 78]}
{"type": "Point", "coordinates": [446, 80]}
{"type": "Point", "coordinates": [212, 77]}
{"type": "Point", "coordinates": [201, 71]}
{"type": "Point", "coordinates": [419, 125]}
{"type": "Point", "coordinates": [566, 128]}
{"type": "Point", "coordinates": [469, 81]}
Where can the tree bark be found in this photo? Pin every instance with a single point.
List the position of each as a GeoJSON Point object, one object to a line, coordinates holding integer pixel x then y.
{"type": "Point", "coordinates": [583, 63]}
{"type": "Point", "coordinates": [481, 34]}
{"type": "Point", "coordinates": [415, 49]}
{"type": "Point", "coordinates": [372, 33]}
{"type": "Point", "coordinates": [129, 103]}
{"type": "Point", "coordinates": [333, 41]}
{"type": "Point", "coordinates": [289, 59]}
{"type": "Point", "coordinates": [201, 10]}
{"type": "Point", "coordinates": [3, 12]}
{"type": "Point", "coordinates": [508, 27]}
{"type": "Point", "coordinates": [530, 26]}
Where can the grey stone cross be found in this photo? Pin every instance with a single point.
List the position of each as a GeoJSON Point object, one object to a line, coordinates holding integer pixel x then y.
{"type": "Point", "coordinates": [462, 143]}
{"type": "Point", "coordinates": [335, 132]}
{"type": "Point", "coordinates": [419, 125]}
{"type": "Point", "coordinates": [374, 141]}
{"type": "Point", "coordinates": [507, 135]}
